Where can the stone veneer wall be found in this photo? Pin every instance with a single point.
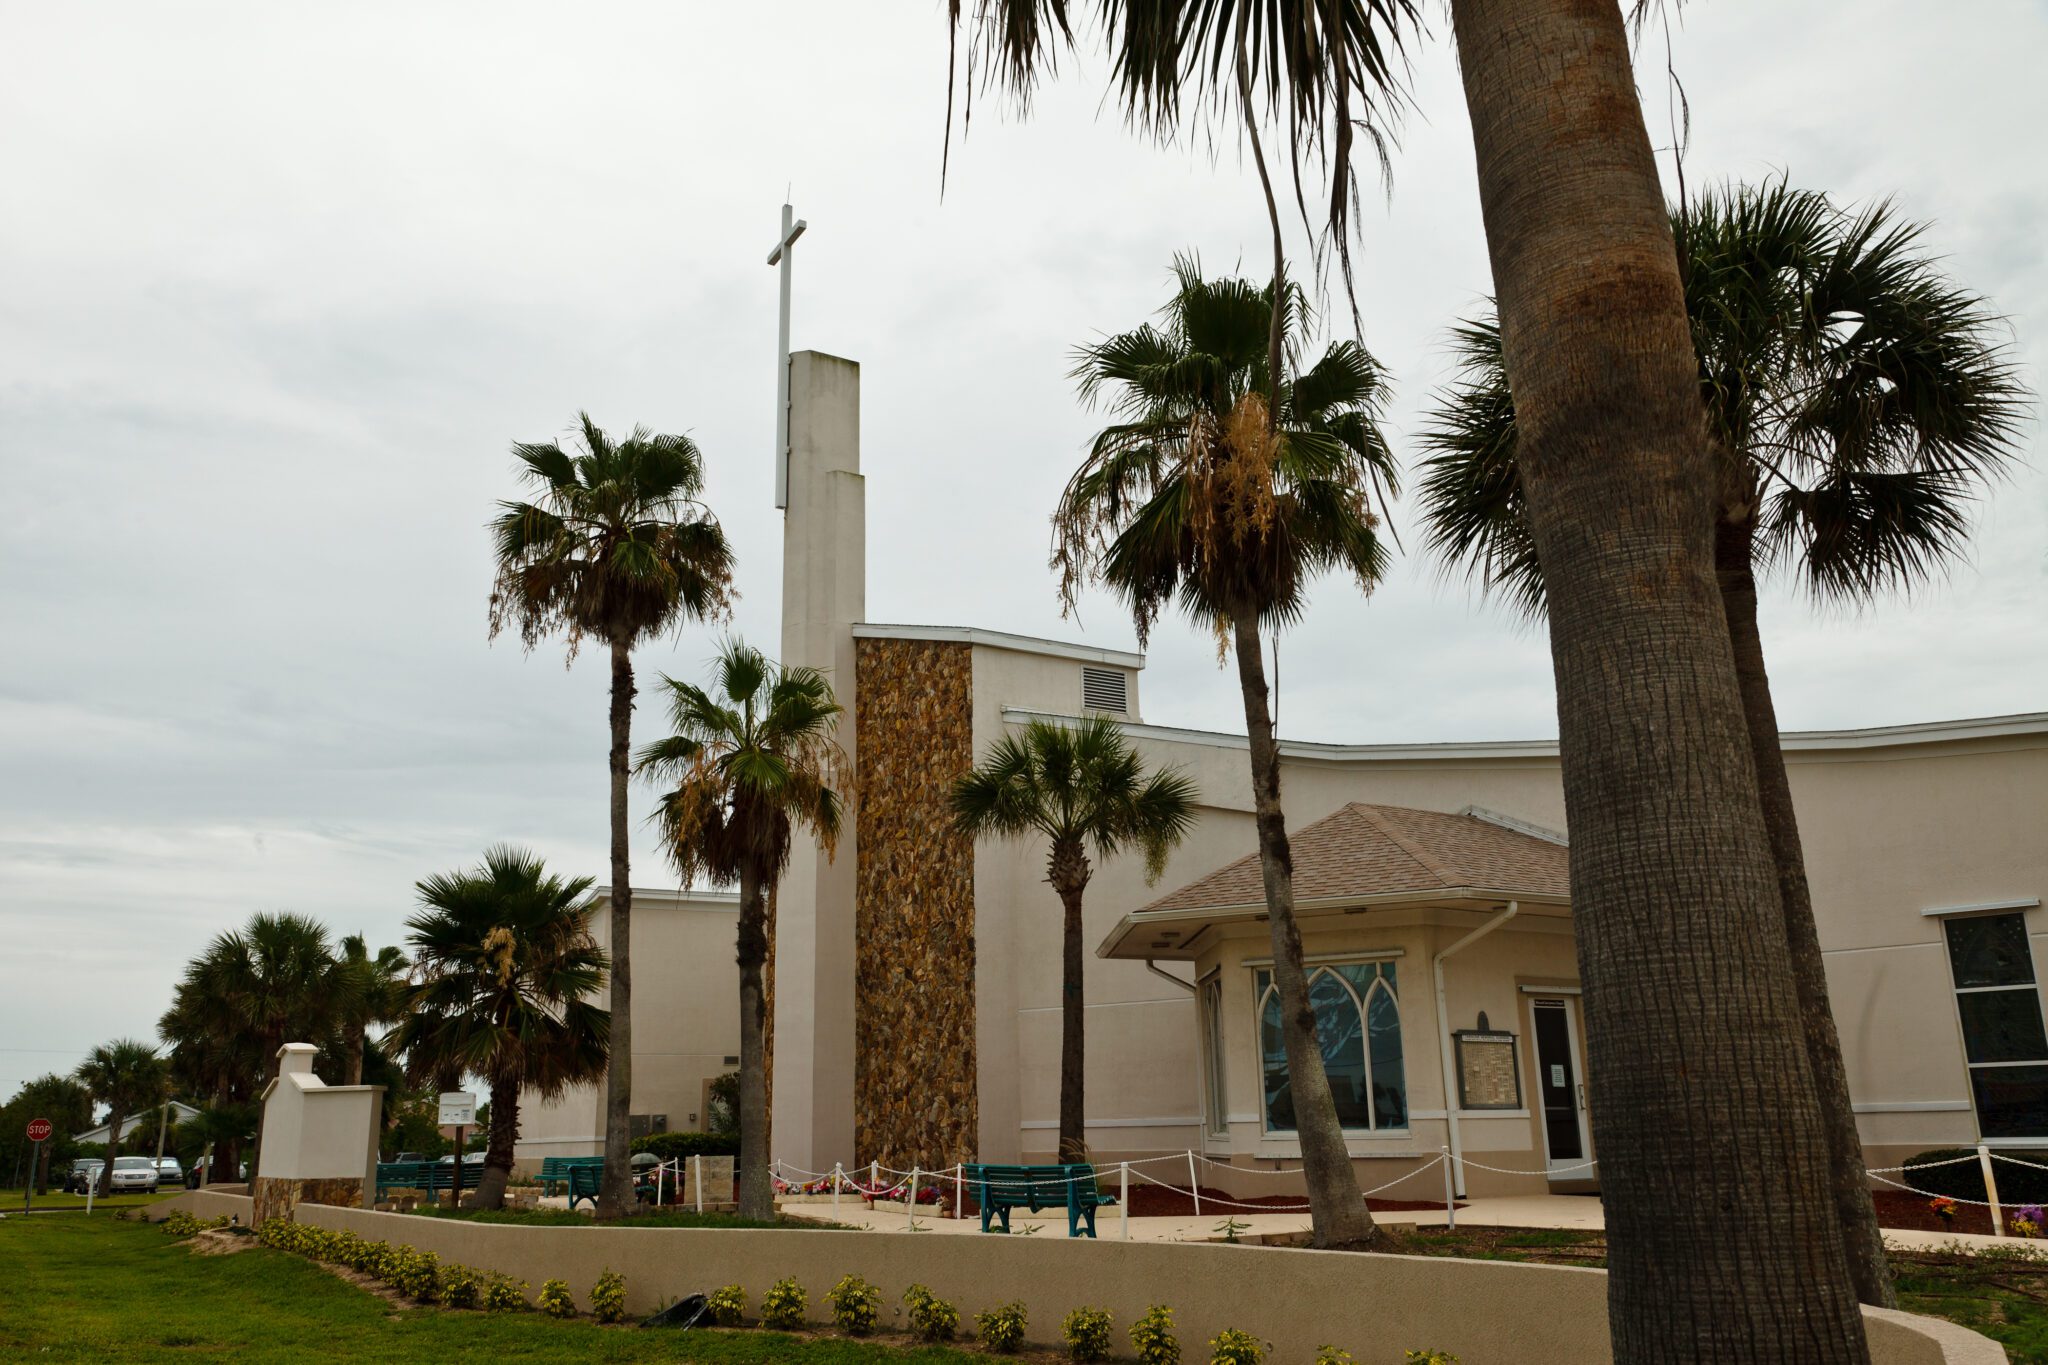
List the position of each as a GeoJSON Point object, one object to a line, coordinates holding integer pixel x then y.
{"type": "Point", "coordinates": [914, 1045]}
{"type": "Point", "coordinates": [275, 1198]}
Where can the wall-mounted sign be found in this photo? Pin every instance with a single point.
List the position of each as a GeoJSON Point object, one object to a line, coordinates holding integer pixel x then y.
{"type": "Point", "coordinates": [1487, 1076]}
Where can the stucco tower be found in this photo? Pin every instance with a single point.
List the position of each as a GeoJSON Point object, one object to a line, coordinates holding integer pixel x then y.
{"type": "Point", "coordinates": [824, 591]}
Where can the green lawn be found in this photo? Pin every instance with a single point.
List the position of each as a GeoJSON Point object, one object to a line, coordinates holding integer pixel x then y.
{"type": "Point", "coordinates": [10, 1200]}
{"type": "Point", "coordinates": [73, 1289]}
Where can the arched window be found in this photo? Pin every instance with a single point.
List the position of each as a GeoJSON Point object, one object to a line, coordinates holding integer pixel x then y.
{"type": "Point", "coordinates": [1358, 1027]}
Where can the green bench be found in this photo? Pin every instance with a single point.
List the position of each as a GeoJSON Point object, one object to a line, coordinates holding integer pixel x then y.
{"type": "Point", "coordinates": [427, 1176]}
{"type": "Point", "coordinates": [554, 1170]}
{"type": "Point", "coordinates": [998, 1189]}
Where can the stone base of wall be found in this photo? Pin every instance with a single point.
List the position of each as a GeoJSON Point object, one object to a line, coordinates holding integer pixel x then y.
{"type": "Point", "coordinates": [281, 1198]}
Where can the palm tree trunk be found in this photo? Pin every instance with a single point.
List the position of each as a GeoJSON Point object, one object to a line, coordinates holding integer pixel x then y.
{"type": "Point", "coordinates": [1849, 1183]}
{"type": "Point", "coordinates": [504, 1133]}
{"type": "Point", "coordinates": [1337, 1210]}
{"type": "Point", "coordinates": [272, 1066]}
{"type": "Point", "coordinates": [1069, 875]}
{"type": "Point", "coordinates": [756, 1194]}
{"type": "Point", "coordinates": [1723, 1243]}
{"type": "Point", "coordinates": [358, 1034]}
{"type": "Point", "coordinates": [113, 1145]}
{"type": "Point", "coordinates": [615, 1191]}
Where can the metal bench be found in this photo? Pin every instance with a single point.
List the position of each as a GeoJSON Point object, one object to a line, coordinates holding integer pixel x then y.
{"type": "Point", "coordinates": [554, 1170]}
{"type": "Point", "coordinates": [428, 1177]}
{"type": "Point", "coordinates": [998, 1189]}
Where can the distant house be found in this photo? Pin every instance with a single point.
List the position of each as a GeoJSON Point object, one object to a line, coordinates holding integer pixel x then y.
{"type": "Point", "coordinates": [180, 1113]}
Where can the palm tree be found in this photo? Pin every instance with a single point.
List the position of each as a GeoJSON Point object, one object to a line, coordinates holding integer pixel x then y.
{"type": "Point", "coordinates": [749, 760]}
{"type": "Point", "coordinates": [272, 983]}
{"type": "Point", "coordinates": [1201, 496]}
{"type": "Point", "coordinates": [618, 548]}
{"type": "Point", "coordinates": [1077, 786]}
{"type": "Point", "coordinates": [508, 969]}
{"type": "Point", "coordinates": [125, 1075]}
{"type": "Point", "coordinates": [1672, 869]}
{"type": "Point", "coordinates": [218, 1055]}
{"type": "Point", "coordinates": [381, 989]}
{"type": "Point", "coordinates": [1857, 403]}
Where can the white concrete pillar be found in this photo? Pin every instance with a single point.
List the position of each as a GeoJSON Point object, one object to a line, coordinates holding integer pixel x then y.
{"type": "Point", "coordinates": [824, 592]}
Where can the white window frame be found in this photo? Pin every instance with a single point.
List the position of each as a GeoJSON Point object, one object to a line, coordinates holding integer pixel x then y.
{"type": "Point", "coordinates": [1317, 964]}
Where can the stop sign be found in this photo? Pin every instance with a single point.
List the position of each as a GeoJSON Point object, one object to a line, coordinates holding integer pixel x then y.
{"type": "Point", "coordinates": [38, 1129]}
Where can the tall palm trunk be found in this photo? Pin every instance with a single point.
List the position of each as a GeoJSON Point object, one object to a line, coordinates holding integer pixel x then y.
{"type": "Point", "coordinates": [113, 1145]}
{"type": "Point", "coordinates": [1067, 870]}
{"type": "Point", "coordinates": [1849, 1182]}
{"type": "Point", "coordinates": [615, 1191]}
{"type": "Point", "coordinates": [358, 1036]}
{"type": "Point", "coordinates": [273, 1065]}
{"type": "Point", "coordinates": [1723, 1242]}
{"type": "Point", "coordinates": [757, 1194]}
{"type": "Point", "coordinates": [504, 1133]}
{"type": "Point", "coordinates": [1337, 1210]}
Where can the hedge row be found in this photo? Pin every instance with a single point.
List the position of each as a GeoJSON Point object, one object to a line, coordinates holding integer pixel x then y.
{"type": "Point", "coordinates": [670, 1146]}
{"type": "Point", "coordinates": [2017, 1184]}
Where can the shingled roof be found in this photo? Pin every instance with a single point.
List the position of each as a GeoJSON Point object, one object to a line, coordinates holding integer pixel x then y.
{"type": "Point", "coordinates": [1370, 851]}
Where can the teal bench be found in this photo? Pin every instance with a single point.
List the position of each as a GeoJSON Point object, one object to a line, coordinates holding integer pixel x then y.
{"type": "Point", "coordinates": [584, 1179]}
{"type": "Point", "coordinates": [430, 1176]}
{"type": "Point", "coordinates": [554, 1170]}
{"type": "Point", "coordinates": [998, 1189]}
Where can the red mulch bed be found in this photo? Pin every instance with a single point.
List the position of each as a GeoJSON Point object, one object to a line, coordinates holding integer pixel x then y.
{"type": "Point", "coordinates": [1156, 1201]}
{"type": "Point", "coordinates": [1898, 1209]}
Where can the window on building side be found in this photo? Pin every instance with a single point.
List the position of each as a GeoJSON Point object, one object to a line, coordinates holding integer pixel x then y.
{"type": "Point", "coordinates": [1358, 1026]}
{"type": "Point", "coordinates": [2000, 1007]}
{"type": "Point", "coordinates": [1212, 1056]}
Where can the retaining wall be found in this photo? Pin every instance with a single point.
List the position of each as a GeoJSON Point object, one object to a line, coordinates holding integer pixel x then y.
{"type": "Point", "coordinates": [1485, 1312]}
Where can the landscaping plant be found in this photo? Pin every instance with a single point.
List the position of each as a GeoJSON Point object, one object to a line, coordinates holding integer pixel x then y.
{"type": "Point", "coordinates": [1333, 1355]}
{"type": "Point", "coordinates": [1429, 1355]}
{"type": "Point", "coordinates": [1086, 1332]}
{"type": "Point", "coordinates": [1153, 1339]}
{"type": "Point", "coordinates": [856, 1305]}
{"type": "Point", "coordinates": [503, 1294]}
{"type": "Point", "coordinates": [931, 1317]}
{"type": "Point", "coordinates": [1232, 1347]}
{"type": "Point", "coordinates": [783, 1306]}
{"type": "Point", "coordinates": [1001, 1328]}
{"type": "Point", "coordinates": [461, 1286]}
{"type": "Point", "coordinates": [727, 1306]}
{"type": "Point", "coordinates": [554, 1300]}
{"type": "Point", "coordinates": [608, 1297]}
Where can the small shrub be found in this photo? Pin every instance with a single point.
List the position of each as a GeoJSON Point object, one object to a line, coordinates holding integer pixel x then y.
{"type": "Point", "coordinates": [1232, 1347]}
{"type": "Point", "coordinates": [1333, 1355]}
{"type": "Point", "coordinates": [1086, 1332]}
{"type": "Point", "coordinates": [554, 1300]}
{"type": "Point", "coordinates": [1153, 1339]}
{"type": "Point", "coordinates": [608, 1297]}
{"type": "Point", "coordinates": [856, 1305]}
{"type": "Point", "coordinates": [727, 1306]}
{"type": "Point", "coordinates": [415, 1274]}
{"type": "Point", "coordinates": [931, 1317]}
{"type": "Point", "coordinates": [1429, 1355]}
{"type": "Point", "coordinates": [671, 1146]}
{"type": "Point", "coordinates": [502, 1294]}
{"type": "Point", "coordinates": [1001, 1328]}
{"type": "Point", "coordinates": [460, 1286]}
{"type": "Point", "coordinates": [784, 1305]}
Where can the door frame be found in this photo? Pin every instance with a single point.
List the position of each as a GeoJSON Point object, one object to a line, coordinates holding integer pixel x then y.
{"type": "Point", "coordinates": [1575, 1169]}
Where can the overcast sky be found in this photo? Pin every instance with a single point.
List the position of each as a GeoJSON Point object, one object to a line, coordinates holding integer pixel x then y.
{"type": "Point", "coordinates": [279, 285]}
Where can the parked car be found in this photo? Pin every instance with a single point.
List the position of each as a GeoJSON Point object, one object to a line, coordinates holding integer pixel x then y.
{"type": "Point", "coordinates": [473, 1159]}
{"type": "Point", "coordinates": [170, 1171]}
{"type": "Point", "coordinates": [134, 1173]}
{"type": "Point", "coordinates": [83, 1173]}
{"type": "Point", "coordinates": [412, 1158]}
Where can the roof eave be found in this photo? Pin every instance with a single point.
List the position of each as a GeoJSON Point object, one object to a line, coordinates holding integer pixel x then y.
{"type": "Point", "coordinates": [1114, 945]}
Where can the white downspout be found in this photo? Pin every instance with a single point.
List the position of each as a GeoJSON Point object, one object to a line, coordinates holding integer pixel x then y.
{"type": "Point", "coordinates": [1443, 1038]}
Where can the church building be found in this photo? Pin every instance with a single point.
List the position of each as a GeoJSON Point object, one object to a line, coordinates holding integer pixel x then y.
{"type": "Point", "coordinates": [916, 979]}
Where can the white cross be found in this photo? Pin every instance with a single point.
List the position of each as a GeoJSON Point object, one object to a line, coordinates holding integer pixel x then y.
{"type": "Point", "coordinates": [784, 250]}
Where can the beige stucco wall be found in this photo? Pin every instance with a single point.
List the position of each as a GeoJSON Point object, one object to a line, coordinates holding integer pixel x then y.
{"type": "Point", "coordinates": [1375, 1306]}
{"type": "Point", "coordinates": [686, 1022]}
{"type": "Point", "coordinates": [314, 1131]}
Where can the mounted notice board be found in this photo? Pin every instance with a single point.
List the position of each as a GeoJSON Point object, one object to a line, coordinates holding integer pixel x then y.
{"type": "Point", "coordinates": [1487, 1075]}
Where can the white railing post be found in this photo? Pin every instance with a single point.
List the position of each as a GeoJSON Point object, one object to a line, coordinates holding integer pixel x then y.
{"type": "Point", "coordinates": [1194, 1184]}
{"type": "Point", "coordinates": [1450, 1197]}
{"type": "Point", "coordinates": [1123, 1195]}
{"type": "Point", "coordinates": [874, 1178]}
{"type": "Point", "coordinates": [835, 1191]}
{"type": "Point", "coordinates": [698, 1162]}
{"type": "Point", "coordinates": [1991, 1190]}
{"type": "Point", "coordinates": [910, 1205]}
{"type": "Point", "coordinates": [959, 1189]}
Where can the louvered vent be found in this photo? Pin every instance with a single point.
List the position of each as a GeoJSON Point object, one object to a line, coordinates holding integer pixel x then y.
{"type": "Point", "coordinates": [1105, 689]}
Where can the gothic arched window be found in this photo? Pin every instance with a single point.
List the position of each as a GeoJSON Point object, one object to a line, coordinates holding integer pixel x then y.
{"type": "Point", "coordinates": [1358, 1027]}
